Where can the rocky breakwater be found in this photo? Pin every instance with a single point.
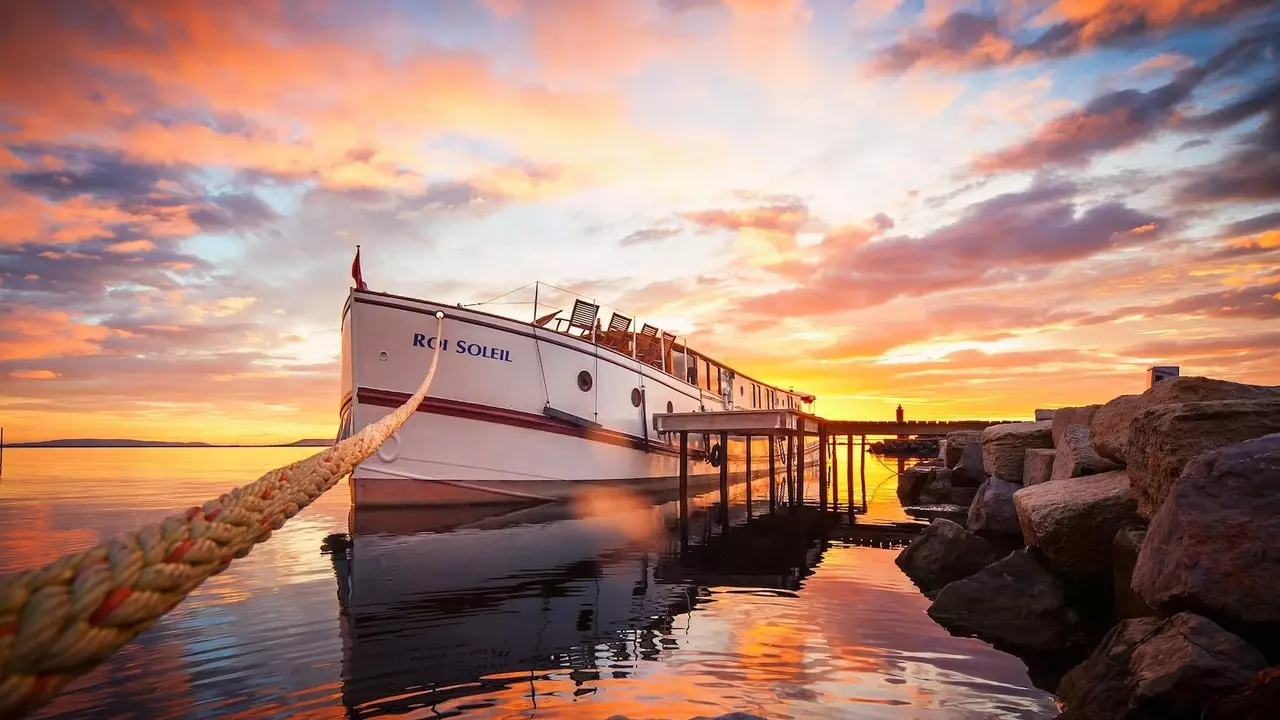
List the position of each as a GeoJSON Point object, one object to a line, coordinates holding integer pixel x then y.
{"type": "Point", "coordinates": [1130, 556]}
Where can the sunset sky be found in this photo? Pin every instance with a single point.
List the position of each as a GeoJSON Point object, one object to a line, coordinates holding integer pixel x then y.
{"type": "Point", "coordinates": [971, 208]}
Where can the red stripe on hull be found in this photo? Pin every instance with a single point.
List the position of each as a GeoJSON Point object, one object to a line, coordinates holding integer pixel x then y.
{"type": "Point", "coordinates": [517, 418]}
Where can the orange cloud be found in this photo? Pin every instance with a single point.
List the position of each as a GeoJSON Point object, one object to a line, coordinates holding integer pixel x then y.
{"type": "Point", "coordinates": [34, 374]}
{"type": "Point", "coordinates": [131, 246]}
{"type": "Point", "coordinates": [30, 333]}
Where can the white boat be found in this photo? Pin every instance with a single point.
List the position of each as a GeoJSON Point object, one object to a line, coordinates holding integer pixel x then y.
{"type": "Point", "coordinates": [532, 410]}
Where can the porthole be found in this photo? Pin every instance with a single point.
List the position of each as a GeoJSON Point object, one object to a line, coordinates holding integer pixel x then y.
{"type": "Point", "coordinates": [382, 355]}
{"type": "Point", "coordinates": [636, 397]}
{"type": "Point", "coordinates": [670, 408]}
{"type": "Point", "coordinates": [584, 381]}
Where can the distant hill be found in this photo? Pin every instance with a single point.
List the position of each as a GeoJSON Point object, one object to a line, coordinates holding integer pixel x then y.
{"type": "Point", "coordinates": [128, 443]}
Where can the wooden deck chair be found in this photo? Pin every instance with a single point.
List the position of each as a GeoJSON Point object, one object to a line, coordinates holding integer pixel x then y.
{"type": "Point", "coordinates": [583, 317]}
{"type": "Point", "coordinates": [647, 349]}
{"type": "Point", "coordinates": [542, 321]}
{"type": "Point", "coordinates": [617, 335]}
{"type": "Point", "coordinates": [668, 342]}
{"type": "Point", "coordinates": [619, 323]}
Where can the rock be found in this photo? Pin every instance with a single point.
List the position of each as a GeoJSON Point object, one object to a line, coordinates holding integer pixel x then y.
{"type": "Point", "coordinates": [912, 481]}
{"type": "Point", "coordinates": [1004, 447]}
{"type": "Point", "coordinates": [1075, 455]}
{"type": "Point", "coordinates": [1148, 669]}
{"type": "Point", "coordinates": [1165, 438]}
{"type": "Point", "coordinates": [938, 490]}
{"type": "Point", "coordinates": [1037, 466]}
{"type": "Point", "coordinates": [1045, 414]}
{"type": "Point", "coordinates": [1066, 417]}
{"type": "Point", "coordinates": [943, 553]}
{"type": "Point", "coordinates": [1256, 700]}
{"type": "Point", "coordinates": [1074, 523]}
{"type": "Point", "coordinates": [969, 472]}
{"type": "Point", "coordinates": [957, 441]}
{"type": "Point", "coordinates": [963, 496]}
{"type": "Point", "coordinates": [1124, 555]}
{"type": "Point", "coordinates": [1211, 548]}
{"type": "Point", "coordinates": [992, 511]}
{"type": "Point", "coordinates": [1014, 603]}
{"type": "Point", "coordinates": [1111, 424]}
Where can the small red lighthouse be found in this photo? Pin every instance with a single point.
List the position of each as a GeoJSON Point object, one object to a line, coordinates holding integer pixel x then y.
{"type": "Point", "coordinates": [901, 418]}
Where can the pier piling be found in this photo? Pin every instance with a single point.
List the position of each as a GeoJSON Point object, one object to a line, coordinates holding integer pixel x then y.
{"type": "Point", "coordinates": [835, 472]}
{"type": "Point", "coordinates": [864, 473]}
{"type": "Point", "coordinates": [684, 490]}
{"type": "Point", "coordinates": [724, 480]}
{"type": "Point", "coordinates": [749, 478]}
{"type": "Point", "coordinates": [848, 443]}
{"type": "Point", "coordinates": [773, 475]}
{"type": "Point", "coordinates": [822, 468]}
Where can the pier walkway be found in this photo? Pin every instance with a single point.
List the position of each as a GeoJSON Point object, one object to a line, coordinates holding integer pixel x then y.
{"type": "Point", "coordinates": [796, 428]}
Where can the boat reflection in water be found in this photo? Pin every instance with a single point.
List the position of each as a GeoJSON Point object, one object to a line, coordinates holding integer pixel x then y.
{"type": "Point", "coordinates": [429, 618]}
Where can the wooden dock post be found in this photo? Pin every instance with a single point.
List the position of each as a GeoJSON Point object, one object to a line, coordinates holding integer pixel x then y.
{"type": "Point", "coordinates": [849, 472]}
{"type": "Point", "coordinates": [684, 491]}
{"type": "Point", "coordinates": [864, 473]}
{"type": "Point", "coordinates": [773, 474]}
{"type": "Point", "coordinates": [748, 476]}
{"type": "Point", "coordinates": [799, 497]}
{"type": "Point", "coordinates": [835, 473]}
{"type": "Point", "coordinates": [1, 451]}
{"type": "Point", "coordinates": [822, 467]}
{"type": "Point", "coordinates": [724, 481]}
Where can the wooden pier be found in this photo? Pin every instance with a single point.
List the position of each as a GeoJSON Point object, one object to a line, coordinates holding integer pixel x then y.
{"type": "Point", "coordinates": [795, 427]}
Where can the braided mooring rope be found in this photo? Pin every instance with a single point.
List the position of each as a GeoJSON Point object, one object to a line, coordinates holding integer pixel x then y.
{"type": "Point", "coordinates": [62, 620]}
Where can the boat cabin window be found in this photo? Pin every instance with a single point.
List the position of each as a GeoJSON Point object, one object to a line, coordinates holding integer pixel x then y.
{"type": "Point", "coordinates": [678, 367]}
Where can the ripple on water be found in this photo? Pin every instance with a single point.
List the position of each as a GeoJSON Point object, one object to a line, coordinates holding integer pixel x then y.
{"type": "Point", "coordinates": [549, 617]}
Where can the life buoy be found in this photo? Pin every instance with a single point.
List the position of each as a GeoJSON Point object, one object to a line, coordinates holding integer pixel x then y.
{"type": "Point", "coordinates": [717, 455]}
{"type": "Point", "coordinates": [390, 455]}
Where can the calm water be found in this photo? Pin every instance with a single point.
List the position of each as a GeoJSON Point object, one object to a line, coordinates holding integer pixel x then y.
{"type": "Point", "coordinates": [581, 612]}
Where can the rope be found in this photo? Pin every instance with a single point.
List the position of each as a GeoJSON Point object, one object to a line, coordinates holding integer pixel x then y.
{"type": "Point", "coordinates": [61, 621]}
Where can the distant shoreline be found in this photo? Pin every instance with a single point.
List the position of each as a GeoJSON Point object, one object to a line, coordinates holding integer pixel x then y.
{"type": "Point", "coordinates": [96, 443]}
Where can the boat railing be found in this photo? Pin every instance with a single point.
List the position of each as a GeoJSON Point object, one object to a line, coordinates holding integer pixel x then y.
{"type": "Point", "coordinates": [624, 333]}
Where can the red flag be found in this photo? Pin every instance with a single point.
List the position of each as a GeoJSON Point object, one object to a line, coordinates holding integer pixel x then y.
{"type": "Point", "coordinates": [355, 272]}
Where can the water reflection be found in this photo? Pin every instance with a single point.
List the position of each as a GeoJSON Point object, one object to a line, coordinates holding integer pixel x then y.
{"type": "Point", "coordinates": [537, 612]}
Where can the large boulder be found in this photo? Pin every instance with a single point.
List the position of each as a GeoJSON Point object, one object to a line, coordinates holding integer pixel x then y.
{"type": "Point", "coordinates": [913, 480]}
{"type": "Point", "coordinates": [1044, 414]}
{"type": "Point", "coordinates": [1075, 456]}
{"type": "Point", "coordinates": [1074, 523]}
{"type": "Point", "coordinates": [1066, 417]}
{"type": "Point", "coordinates": [1149, 669]}
{"type": "Point", "coordinates": [1004, 447]}
{"type": "Point", "coordinates": [1165, 438]}
{"type": "Point", "coordinates": [957, 441]}
{"type": "Point", "coordinates": [1013, 603]}
{"type": "Point", "coordinates": [943, 553]}
{"type": "Point", "coordinates": [992, 511]}
{"type": "Point", "coordinates": [1110, 427]}
{"type": "Point", "coordinates": [1211, 548]}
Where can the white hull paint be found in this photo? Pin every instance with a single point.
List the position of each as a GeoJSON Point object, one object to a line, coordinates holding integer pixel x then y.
{"type": "Point", "coordinates": [508, 419]}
